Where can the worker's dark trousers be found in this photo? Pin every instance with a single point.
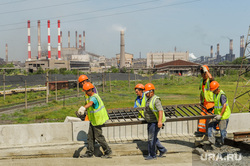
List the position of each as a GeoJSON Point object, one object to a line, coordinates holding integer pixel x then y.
{"type": "Point", "coordinates": [95, 133]}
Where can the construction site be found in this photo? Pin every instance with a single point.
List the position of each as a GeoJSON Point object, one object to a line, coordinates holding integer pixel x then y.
{"type": "Point", "coordinates": [40, 99]}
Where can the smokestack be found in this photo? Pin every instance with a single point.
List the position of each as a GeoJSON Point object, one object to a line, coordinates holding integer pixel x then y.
{"type": "Point", "coordinates": [39, 39]}
{"type": "Point", "coordinates": [211, 52]}
{"type": "Point", "coordinates": [6, 53]}
{"type": "Point", "coordinates": [83, 41]}
{"type": "Point", "coordinates": [231, 47]}
{"type": "Point", "coordinates": [61, 38]}
{"type": "Point", "coordinates": [76, 39]}
{"type": "Point", "coordinates": [68, 39]}
{"type": "Point", "coordinates": [162, 58]}
{"type": "Point", "coordinates": [242, 46]}
{"type": "Point", "coordinates": [218, 49]}
{"type": "Point", "coordinates": [59, 43]}
{"type": "Point", "coordinates": [80, 41]}
{"type": "Point", "coordinates": [29, 49]}
{"type": "Point", "coordinates": [49, 50]}
{"type": "Point", "coordinates": [122, 50]}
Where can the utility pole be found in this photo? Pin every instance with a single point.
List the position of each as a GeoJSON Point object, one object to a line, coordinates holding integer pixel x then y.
{"type": "Point", "coordinates": [77, 83]}
{"type": "Point", "coordinates": [128, 80]}
{"type": "Point", "coordinates": [47, 91]}
{"type": "Point", "coordinates": [56, 87]}
{"type": "Point", "coordinates": [4, 84]}
{"type": "Point", "coordinates": [109, 82]}
{"type": "Point", "coordinates": [26, 104]}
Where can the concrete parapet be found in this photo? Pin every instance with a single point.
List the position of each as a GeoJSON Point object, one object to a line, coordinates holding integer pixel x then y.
{"type": "Point", "coordinates": [239, 122]}
{"type": "Point", "coordinates": [35, 133]}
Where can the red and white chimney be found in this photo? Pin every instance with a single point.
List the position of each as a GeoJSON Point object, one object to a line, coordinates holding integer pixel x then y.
{"type": "Point", "coordinates": [49, 48]}
{"type": "Point", "coordinates": [6, 53]}
{"type": "Point", "coordinates": [83, 40]}
{"type": "Point", "coordinates": [80, 41]}
{"type": "Point", "coordinates": [76, 39]}
{"type": "Point", "coordinates": [59, 43]}
{"type": "Point", "coordinates": [61, 38]}
{"type": "Point", "coordinates": [68, 39]}
{"type": "Point", "coordinates": [29, 47]}
{"type": "Point", "coordinates": [39, 39]}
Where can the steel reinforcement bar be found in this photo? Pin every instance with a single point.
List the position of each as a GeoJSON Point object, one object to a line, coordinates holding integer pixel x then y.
{"type": "Point", "coordinates": [131, 116]}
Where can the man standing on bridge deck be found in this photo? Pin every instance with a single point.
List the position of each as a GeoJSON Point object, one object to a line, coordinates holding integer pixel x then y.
{"type": "Point", "coordinates": [97, 116]}
{"type": "Point", "coordinates": [206, 96]}
{"type": "Point", "coordinates": [140, 101]}
{"type": "Point", "coordinates": [155, 118]}
{"type": "Point", "coordinates": [222, 112]}
{"type": "Point", "coordinates": [82, 80]}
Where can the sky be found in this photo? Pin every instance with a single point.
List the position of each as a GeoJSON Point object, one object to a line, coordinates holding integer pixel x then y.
{"type": "Point", "coordinates": [150, 25]}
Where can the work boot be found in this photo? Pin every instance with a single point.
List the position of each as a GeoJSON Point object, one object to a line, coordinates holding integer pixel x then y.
{"type": "Point", "coordinates": [162, 153]}
{"type": "Point", "coordinates": [86, 155]}
{"type": "Point", "coordinates": [107, 154]}
{"type": "Point", "coordinates": [150, 158]}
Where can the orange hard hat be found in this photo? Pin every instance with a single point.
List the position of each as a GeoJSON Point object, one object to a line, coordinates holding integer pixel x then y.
{"type": "Point", "coordinates": [87, 86]}
{"type": "Point", "coordinates": [139, 86]}
{"type": "Point", "coordinates": [205, 67]}
{"type": "Point", "coordinates": [214, 85]}
{"type": "Point", "coordinates": [82, 78]}
{"type": "Point", "coordinates": [149, 87]}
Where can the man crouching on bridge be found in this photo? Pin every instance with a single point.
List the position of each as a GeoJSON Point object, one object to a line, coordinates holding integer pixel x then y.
{"type": "Point", "coordinates": [155, 117]}
{"type": "Point", "coordinates": [97, 115]}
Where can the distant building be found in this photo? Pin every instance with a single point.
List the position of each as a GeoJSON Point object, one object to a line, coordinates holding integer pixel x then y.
{"type": "Point", "coordinates": [162, 57]}
{"type": "Point", "coordinates": [140, 63]}
{"type": "Point", "coordinates": [128, 59]}
{"type": "Point", "coordinates": [2, 62]}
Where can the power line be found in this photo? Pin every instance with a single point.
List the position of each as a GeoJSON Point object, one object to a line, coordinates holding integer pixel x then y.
{"type": "Point", "coordinates": [6, 3]}
{"type": "Point", "coordinates": [115, 14]}
{"type": "Point", "coordinates": [61, 4]}
{"type": "Point", "coordinates": [86, 12]}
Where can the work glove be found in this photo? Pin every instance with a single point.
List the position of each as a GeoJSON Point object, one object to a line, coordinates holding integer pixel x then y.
{"type": "Point", "coordinates": [82, 117]}
{"type": "Point", "coordinates": [204, 69]}
{"type": "Point", "coordinates": [81, 110]}
{"type": "Point", "coordinates": [217, 117]}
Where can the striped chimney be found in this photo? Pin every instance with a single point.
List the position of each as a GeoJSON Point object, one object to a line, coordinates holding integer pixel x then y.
{"type": "Point", "coordinates": [242, 46]}
{"type": "Point", "coordinates": [49, 48]}
{"type": "Point", "coordinates": [29, 47]}
{"type": "Point", "coordinates": [59, 43]}
{"type": "Point", "coordinates": [68, 39]}
{"type": "Point", "coordinates": [39, 39]}
{"type": "Point", "coordinates": [6, 53]}
{"type": "Point", "coordinates": [61, 38]}
{"type": "Point", "coordinates": [80, 41]}
{"type": "Point", "coordinates": [84, 40]}
{"type": "Point", "coordinates": [231, 47]}
{"type": "Point", "coordinates": [76, 39]}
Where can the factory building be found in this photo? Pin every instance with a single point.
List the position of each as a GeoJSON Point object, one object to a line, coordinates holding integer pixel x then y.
{"type": "Point", "coordinates": [128, 59]}
{"type": "Point", "coordinates": [162, 57]}
{"type": "Point", "coordinates": [58, 57]}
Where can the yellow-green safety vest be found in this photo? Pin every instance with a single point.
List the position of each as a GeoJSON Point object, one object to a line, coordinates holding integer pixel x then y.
{"type": "Point", "coordinates": [218, 107]}
{"type": "Point", "coordinates": [97, 116]}
{"type": "Point", "coordinates": [154, 110]}
{"type": "Point", "coordinates": [207, 94]}
{"type": "Point", "coordinates": [143, 104]}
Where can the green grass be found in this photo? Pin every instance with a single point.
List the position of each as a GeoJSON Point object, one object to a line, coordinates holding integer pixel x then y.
{"type": "Point", "coordinates": [172, 90]}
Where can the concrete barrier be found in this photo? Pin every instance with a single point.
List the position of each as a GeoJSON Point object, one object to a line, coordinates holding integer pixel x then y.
{"type": "Point", "coordinates": [35, 133]}
{"type": "Point", "coordinates": [11, 135]}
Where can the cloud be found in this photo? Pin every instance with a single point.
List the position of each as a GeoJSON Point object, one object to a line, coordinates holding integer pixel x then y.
{"type": "Point", "coordinates": [191, 55]}
{"type": "Point", "coordinates": [118, 27]}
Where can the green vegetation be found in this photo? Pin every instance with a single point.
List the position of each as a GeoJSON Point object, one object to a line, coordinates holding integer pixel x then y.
{"type": "Point", "coordinates": [172, 90]}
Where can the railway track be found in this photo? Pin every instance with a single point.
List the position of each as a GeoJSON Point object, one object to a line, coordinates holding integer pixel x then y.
{"type": "Point", "coordinates": [21, 106]}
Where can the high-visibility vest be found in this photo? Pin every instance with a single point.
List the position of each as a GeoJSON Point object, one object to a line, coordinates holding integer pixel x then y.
{"type": "Point", "coordinates": [97, 116]}
{"type": "Point", "coordinates": [218, 107]}
{"type": "Point", "coordinates": [207, 94]}
{"type": "Point", "coordinates": [154, 110]}
{"type": "Point", "coordinates": [143, 104]}
{"type": "Point", "coordinates": [87, 100]}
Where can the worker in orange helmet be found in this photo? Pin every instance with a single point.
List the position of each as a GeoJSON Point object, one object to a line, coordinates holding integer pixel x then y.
{"type": "Point", "coordinates": [155, 118]}
{"type": "Point", "coordinates": [82, 80]}
{"type": "Point", "coordinates": [140, 101]}
{"type": "Point", "coordinates": [206, 96]}
{"type": "Point", "coordinates": [222, 112]}
{"type": "Point", "coordinates": [97, 116]}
